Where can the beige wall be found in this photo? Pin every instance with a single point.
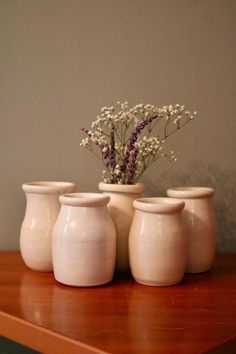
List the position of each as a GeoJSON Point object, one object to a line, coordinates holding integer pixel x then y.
{"type": "Point", "coordinates": [62, 60]}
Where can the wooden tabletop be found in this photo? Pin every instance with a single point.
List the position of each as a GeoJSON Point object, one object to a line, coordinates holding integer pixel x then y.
{"type": "Point", "coordinates": [120, 317]}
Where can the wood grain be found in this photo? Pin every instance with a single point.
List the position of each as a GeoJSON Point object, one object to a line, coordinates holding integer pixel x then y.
{"type": "Point", "coordinates": [121, 317]}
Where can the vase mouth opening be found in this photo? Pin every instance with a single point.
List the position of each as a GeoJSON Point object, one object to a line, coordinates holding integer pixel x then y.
{"type": "Point", "coordinates": [159, 205]}
{"type": "Point", "coordinates": [48, 187]}
{"type": "Point", "coordinates": [84, 199]}
{"type": "Point", "coordinates": [190, 192]}
{"type": "Point", "coordinates": [122, 188]}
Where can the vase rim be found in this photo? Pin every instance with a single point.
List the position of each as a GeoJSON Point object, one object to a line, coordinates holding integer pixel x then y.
{"type": "Point", "coordinates": [48, 187]}
{"type": "Point", "coordinates": [190, 192]}
{"type": "Point", "coordinates": [121, 188]}
{"type": "Point", "coordinates": [159, 205]}
{"type": "Point", "coordinates": [84, 199]}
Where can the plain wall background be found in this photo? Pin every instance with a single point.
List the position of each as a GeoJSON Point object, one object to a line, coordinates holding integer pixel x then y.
{"type": "Point", "coordinates": [62, 60]}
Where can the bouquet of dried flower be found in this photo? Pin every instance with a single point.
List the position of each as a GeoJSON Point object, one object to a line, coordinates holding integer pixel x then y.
{"type": "Point", "coordinates": [130, 140]}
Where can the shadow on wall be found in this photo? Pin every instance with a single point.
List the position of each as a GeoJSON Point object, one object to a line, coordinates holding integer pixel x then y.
{"type": "Point", "coordinates": [199, 174]}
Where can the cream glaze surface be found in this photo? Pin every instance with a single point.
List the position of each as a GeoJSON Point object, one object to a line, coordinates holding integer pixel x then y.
{"type": "Point", "coordinates": [199, 216]}
{"type": "Point", "coordinates": [157, 242]}
{"type": "Point", "coordinates": [42, 208]}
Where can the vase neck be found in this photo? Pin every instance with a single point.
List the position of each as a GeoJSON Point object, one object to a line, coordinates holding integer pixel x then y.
{"type": "Point", "coordinates": [122, 188]}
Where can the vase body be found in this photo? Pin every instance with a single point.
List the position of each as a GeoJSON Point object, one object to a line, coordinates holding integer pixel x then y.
{"type": "Point", "coordinates": [42, 208]}
{"type": "Point", "coordinates": [199, 215]}
{"type": "Point", "coordinates": [121, 210]}
{"type": "Point", "coordinates": [158, 242]}
{"type": "Point", "coordinates": [84, 241]}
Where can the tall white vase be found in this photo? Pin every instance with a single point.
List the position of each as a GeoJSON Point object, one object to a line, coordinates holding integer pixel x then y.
{"type": "Point", "coordinates": [157, 242]}
{"type": "Point", "coordinates": [199, 215]}
{"type": "Point", "coordinates": [42, 209]}
{"type": "Point", "coordinates": [84, 241]}
{"type": "Point", "coordinates": [122, 211]}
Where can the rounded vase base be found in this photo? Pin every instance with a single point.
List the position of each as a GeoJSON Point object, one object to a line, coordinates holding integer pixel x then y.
{"type": "Point", "coordinates": [156, 283]}
{"type": "Point", "coordinates": [197, 271]}
{"type": "Point", "coordinates": [37, 268]}
{"type": "Point", "coordinates": [40, 270]}
{"type": "Point", "coordinates": [84, 285]}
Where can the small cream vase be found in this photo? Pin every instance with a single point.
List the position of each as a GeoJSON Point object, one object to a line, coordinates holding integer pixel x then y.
{"type": "Point", "coordinates": [84, 241]}
{"type": "Point", "coordinates": [199, 215]}
{"type": "Point", "coordinates": [158, 242]}
{"type": "Point", "coordinates": [42, 209]}
{"type": "Point", "coordinates": [121, 210]}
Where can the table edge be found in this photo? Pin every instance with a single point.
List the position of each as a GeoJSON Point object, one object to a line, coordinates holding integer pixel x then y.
{"type": "Point", "coordinates": [41, 339]}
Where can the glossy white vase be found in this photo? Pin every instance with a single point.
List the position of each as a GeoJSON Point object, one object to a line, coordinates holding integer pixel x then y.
{"type": "Point", "coordinates": [42, 209]}
{"type": "Point", "coordinates": [84, 241]}
{"type": "Point", "coordinates": [158, 242]}
{"type": "Point", "coordinates": [199, 215]}
{"type": "Point", "coordinates": [121, 210]}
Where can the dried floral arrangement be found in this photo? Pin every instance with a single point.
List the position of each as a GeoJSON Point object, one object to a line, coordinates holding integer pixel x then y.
{"type": "Point", "coordinates": [130, 140]}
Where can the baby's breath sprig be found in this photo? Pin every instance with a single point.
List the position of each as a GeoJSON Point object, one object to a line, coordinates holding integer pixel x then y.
{"type": "Point", "coordinates": [122, 138]}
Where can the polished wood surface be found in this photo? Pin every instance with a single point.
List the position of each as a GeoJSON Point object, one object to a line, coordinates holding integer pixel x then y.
{"type": "Point", "coordinates": [121, 317]}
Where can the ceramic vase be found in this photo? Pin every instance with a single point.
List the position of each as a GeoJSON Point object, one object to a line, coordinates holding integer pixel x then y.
{"type": "Point", "coordinates": [84, 241]}
{"type": "Point", "coordinates": [122, 211]}
{"type": "Point", "coordinates": [158, 242]}
{"type": "Point", "coordinates": [42, 208]}
{"type": "Point", "coordinates": [199, 215]}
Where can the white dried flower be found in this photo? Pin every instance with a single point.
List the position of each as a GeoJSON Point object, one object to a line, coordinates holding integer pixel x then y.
{"type": "Point", "coordinates": [125, 137]}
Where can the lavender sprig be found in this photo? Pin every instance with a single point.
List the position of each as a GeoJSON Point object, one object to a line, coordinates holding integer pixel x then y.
{"type": "Point", "coordinates": [112, 149]}
{"type": "Point", "coordinates": [132, 140]}
{"type": "Point", "coordinates": [132, 165]}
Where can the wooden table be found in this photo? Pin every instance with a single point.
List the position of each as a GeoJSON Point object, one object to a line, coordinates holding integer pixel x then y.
{"type": "Point", "coordinates": [121, 317]}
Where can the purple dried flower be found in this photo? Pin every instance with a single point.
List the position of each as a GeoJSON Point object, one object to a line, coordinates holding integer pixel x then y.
{"type": "Point", "coordinates": [132, 140]}
{"type": "Point", "coordinates": [132, 165]}
{"type": "Point", "coordinates": [112, 150]}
